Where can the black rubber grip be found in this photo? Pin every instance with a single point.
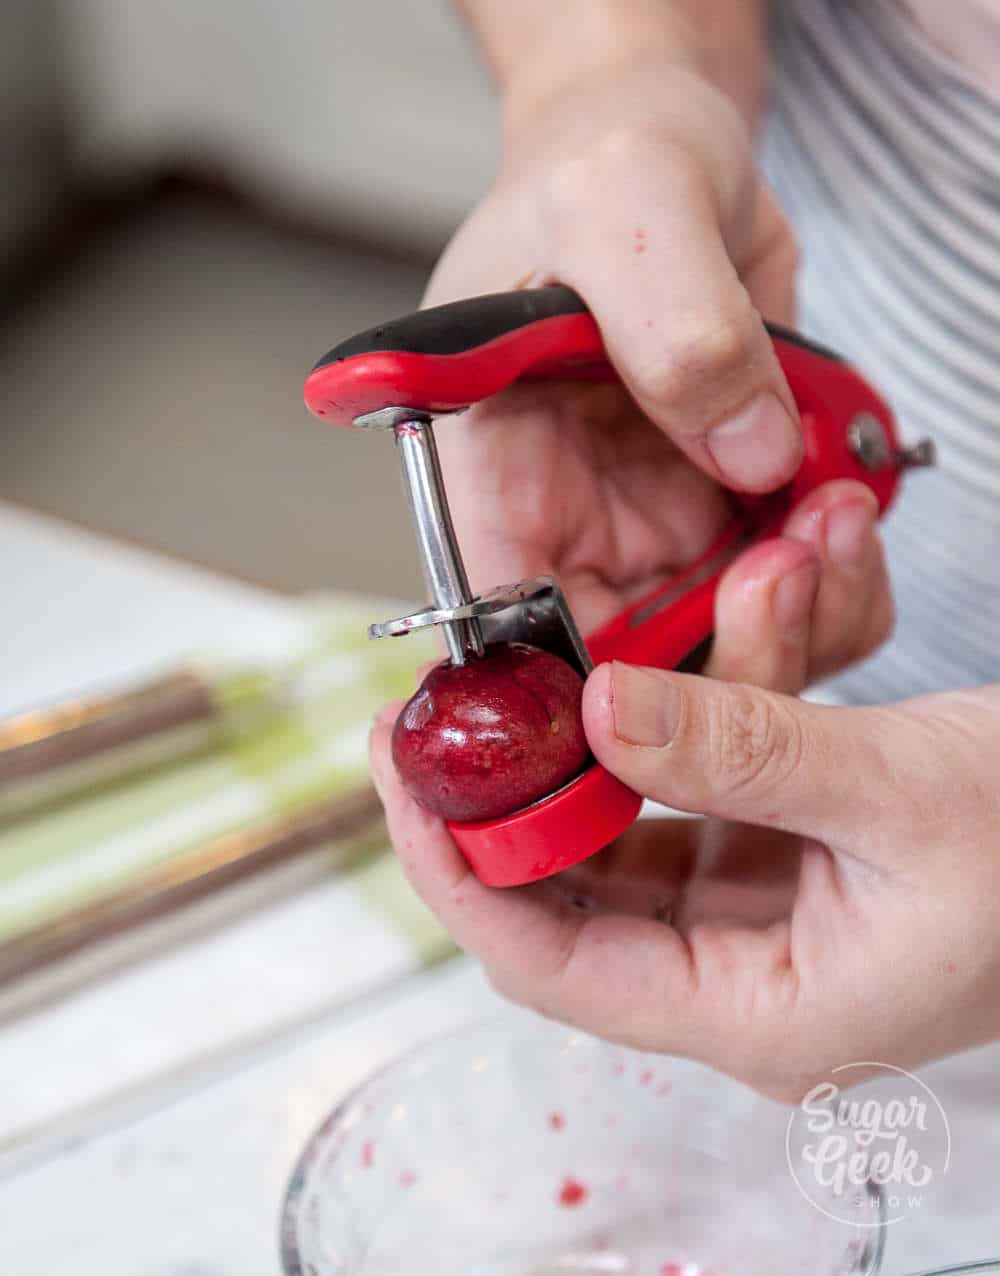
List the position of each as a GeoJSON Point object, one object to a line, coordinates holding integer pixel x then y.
{"type": "Point", "coordinates": [461, 325]}
{"type": "Point", "coordinates": [465, 325]}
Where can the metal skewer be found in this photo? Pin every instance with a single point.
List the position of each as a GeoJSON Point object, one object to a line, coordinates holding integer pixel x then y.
{"type": "Point", "coordinates": [440, 556]}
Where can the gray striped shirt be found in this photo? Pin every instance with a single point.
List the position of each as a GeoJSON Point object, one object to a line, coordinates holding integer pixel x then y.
{"type": "Point", "coordinates": [889, 166]}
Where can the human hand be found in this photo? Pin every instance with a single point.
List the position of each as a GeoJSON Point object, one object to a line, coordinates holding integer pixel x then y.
{"type": "Point", "coordinates": [840, 905]}
{"type": "Point", "coordinates": [639, 190]}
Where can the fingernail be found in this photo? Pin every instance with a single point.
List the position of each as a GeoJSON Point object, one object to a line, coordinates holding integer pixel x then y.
{"type": "Point", "coordinates": [794, 597]}
{"type": "Point", "coordinates": [848, 533]}
{"type": "Point", "coordinates": [759, 447]}
{"type": "Point", "coordinates": [645, 709]}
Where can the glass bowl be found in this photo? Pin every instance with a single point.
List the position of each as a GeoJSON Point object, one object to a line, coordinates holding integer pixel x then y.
{"type": "Point", "coordinates": [991, 1268]}
{"type": "Point", "coordinates": [522, 1148]}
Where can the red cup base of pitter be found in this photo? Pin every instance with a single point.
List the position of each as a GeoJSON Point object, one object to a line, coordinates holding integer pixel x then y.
{"type": "Point", "coordinates": [574, 823]}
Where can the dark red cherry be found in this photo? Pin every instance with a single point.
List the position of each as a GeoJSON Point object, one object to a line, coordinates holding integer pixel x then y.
{"type": "Point", "coordinates": [484, 739]}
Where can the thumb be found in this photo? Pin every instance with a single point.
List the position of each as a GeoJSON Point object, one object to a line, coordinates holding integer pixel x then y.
{"type": "Point", "coordinates": [683, 333]}
{"type": "Point", "coordinates": [744, 754]}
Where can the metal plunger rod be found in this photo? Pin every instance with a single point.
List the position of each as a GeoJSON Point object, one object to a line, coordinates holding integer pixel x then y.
{"type": "Point", "coordinates": [444, 570]}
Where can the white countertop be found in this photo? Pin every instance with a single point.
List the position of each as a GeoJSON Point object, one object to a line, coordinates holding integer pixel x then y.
{"type": "Point", "coordinates": [148, 1121]}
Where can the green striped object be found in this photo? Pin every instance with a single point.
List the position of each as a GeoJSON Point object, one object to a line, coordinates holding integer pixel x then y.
{"type": "Point", "coordinates": [309, 745]}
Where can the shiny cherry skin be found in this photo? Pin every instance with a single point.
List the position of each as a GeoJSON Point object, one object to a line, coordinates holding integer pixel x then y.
{"type": "Point", "coordinates": [484, 739]}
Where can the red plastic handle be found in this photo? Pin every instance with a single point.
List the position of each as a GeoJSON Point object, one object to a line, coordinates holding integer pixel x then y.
{"type": "Point", "coordinates": [450, 356]}
{"type": "Point", "coordinates": [446, 358]}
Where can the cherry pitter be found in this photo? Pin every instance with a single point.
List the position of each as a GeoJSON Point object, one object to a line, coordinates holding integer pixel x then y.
{"type": "Point", "coordinates": [399, 376]}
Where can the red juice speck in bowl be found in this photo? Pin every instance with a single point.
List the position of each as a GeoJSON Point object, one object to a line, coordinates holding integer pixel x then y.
{"type": "Point", "coordinates": [491, 1153]}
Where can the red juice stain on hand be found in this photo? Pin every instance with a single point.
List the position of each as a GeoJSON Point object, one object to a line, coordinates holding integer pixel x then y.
{"type": "Point", "coordinates": [572, 1193]}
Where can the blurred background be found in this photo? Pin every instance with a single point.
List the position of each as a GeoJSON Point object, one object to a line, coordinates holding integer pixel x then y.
{"type": "Point", "coordinates": [196, 201]}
